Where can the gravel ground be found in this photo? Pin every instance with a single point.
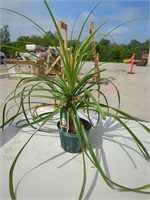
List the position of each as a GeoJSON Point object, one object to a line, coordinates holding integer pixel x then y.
{"type": "Point", "coordinates": [134, 88]}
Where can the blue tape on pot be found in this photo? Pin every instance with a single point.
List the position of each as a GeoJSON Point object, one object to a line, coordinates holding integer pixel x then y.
{"type": "Point", "coordinates": [70, 142]}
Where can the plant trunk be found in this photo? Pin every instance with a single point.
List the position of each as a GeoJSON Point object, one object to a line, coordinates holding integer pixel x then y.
{"type": "Point", "coordinates": [71, 125]}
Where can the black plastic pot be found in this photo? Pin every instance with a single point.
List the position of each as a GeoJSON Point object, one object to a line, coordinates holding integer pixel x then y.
{"type": "Point", "coordinates": [69, 141]}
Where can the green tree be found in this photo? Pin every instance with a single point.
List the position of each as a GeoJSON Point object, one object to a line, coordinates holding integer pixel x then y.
{"type": "Point", "coordinates": [134, 45]}
{"type": "Point", "coordinates": [103, 48]}
{"type": "Point", "coordinates": [124, 52]}
{"type": "Point", "coordinates": [50, 39]}
{"type": "Point", "coordinates": [146, 45]}
{"type": "Point", "coordinates": [116, 53]}
{"type": "Point", "coordinates": [34, 39]}
{"type": "Point", "coordinates": [5, 39]}
{"type": "Point", "coordinates": [21, 42]}
{"type": "Point", "coordinates": [5, 34]}
{"type": "Point", "coordinates": [104, 42]}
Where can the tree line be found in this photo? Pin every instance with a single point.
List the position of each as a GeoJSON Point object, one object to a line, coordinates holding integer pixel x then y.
{"type": "Point", "coordinates": [108, 52]}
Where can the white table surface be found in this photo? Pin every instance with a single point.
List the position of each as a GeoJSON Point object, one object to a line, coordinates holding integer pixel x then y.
{"type": "Point", "coordinates": [45, 172]}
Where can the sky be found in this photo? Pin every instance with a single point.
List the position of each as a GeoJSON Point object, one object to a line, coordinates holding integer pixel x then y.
{"type": "Point", "coordinates": [110, 13]}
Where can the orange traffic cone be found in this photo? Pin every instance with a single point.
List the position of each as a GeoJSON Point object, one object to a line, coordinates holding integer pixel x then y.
{"type": "Point", "coordinates": [131, 66]}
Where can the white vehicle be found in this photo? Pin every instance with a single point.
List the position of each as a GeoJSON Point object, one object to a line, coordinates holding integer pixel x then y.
{"type": "Point", "coordinates": [2, 57]}
{"type": "Point", "coordinates": [39, 51]}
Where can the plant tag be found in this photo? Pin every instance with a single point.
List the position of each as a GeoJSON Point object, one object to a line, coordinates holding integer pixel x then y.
{"type": "Point", "coordinates": [64, 119]}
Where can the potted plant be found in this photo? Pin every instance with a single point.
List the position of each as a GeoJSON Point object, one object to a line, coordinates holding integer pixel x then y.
{"type": "Point", "coordinates": [68, 95]}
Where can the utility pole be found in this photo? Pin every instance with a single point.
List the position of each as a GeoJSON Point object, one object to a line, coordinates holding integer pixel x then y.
{"type": "Point", "coordinates": [63, 26]}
